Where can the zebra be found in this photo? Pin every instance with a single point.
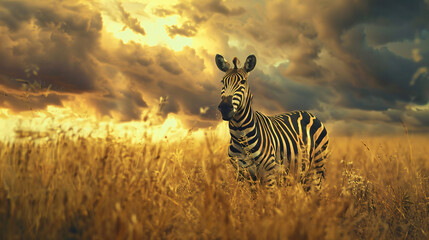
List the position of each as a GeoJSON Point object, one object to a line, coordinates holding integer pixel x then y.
{"type": "Point", "coordinates": [264, 148]}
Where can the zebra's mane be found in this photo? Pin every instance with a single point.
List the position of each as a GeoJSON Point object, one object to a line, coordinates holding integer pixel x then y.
{"type": "Point", "coordinates": [236, 62]}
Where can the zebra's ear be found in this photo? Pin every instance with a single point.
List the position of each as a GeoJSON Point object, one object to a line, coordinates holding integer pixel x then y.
{"type": "Point", "coordinates": [250, 63]}
{"type": "Point", "coordinates": [221, 63]}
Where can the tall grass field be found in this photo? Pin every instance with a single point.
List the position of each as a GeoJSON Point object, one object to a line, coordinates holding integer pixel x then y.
{"type": "Point", "coordinates": [75, 187]}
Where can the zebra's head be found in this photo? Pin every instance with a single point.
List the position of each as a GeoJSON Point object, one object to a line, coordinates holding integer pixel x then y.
{"type": "Point", "coordinates": [235, 87]}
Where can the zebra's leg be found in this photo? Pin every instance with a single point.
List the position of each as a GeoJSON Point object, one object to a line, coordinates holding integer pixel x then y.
{"type": "Point", "coordinates": [318, 166]}
{"type": "Point", "coordinates": [245, 167]}
{"type": "Point", "coordinates": [315, 175]}
{"type": "Point", "coordinates": [267, 172]}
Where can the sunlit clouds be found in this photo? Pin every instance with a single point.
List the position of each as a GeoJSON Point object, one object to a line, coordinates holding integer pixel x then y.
{"type": "Point", "coordinates": [361, 67]}
{"type": "Point", "coordinates": [127, 29]}
{"type": "Point", "coordinates": [55, 122]}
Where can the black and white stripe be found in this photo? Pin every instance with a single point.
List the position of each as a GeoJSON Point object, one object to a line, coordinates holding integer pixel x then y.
{"type": "Point", "coordinates": [262, 147]}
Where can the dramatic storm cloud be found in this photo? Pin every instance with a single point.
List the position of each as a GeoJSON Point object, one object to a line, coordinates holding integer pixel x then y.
{"type": "Point", "coordinates": [360, 65]}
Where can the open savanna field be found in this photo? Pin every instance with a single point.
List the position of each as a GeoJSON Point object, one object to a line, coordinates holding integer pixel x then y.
{"type": "Point", "coordinates": [74, 187]}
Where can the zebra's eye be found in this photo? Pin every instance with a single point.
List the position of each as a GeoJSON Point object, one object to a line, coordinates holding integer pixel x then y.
{"type": "Point", "coordinates": [242, 81]}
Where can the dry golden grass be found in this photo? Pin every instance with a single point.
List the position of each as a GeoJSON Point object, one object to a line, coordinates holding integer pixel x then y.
{"type": "Point", "coordinates": [376, 188]}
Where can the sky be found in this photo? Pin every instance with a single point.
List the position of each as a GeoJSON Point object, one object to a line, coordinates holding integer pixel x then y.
{"type": "Point", "coordinates": [359, 66]}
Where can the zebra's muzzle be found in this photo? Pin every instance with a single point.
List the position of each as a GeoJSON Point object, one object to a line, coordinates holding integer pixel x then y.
{"type": "Point", "coordinates": [226, 108]}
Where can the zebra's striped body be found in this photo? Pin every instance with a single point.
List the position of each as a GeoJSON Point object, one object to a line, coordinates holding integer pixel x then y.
{"type": "Point", "coordinates": [263, 147]}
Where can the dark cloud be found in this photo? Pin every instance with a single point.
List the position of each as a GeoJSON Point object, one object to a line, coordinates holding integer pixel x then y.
{"type": "Point", "coordinates": [188, 10]}
{"type": "Point", "coordinates": [29, 102]}
{"type": "Point", "coordinates": [169, 62]}
{"type": "Point", "coordinates": [345, 49]}
{"type": "Point", "coordinates": [63, 43]}
{"type": "Point", "coordinates": [14, 14]}
{"type": "Point", "coordinates": [127, 103]}
{"type": "Point", "coordinates": [422, 117]}
{"type": "Point", "coordinates": [175, 76]}
{"type": "Point", "coordinates": [379, 74]}
{"type": "Point", "coordinates": [60, 42]}
{"type": "Point", "coordinates": [167, 106]}
{"type": "Point", "coordinates": [349, 56]}
{"type": "Point", "coordinates": [303, 60]}
{"type": "Point", "coordinates": [129, 21]}
{"type": "Point", "coordinates": [356, 65]}
{"type": "Point", "coordinates": [196, 13]}
{"type": "Point", "coordinates": [379, 34]}
{"type": "Point", "coordinates": [362, 128]}
{"type": "Point", "coordinates": [217, 6]}
{"type": "Point", "coordinates": [417, 119]}
{"type": "Point", "coordinates": [187, 29]}
{"type": "Point", "coordinates": [163, 12]}
{"type": "Point", "coordinates": [132, 53]}
{"type": "Point", "coordinates": [278, 94]}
